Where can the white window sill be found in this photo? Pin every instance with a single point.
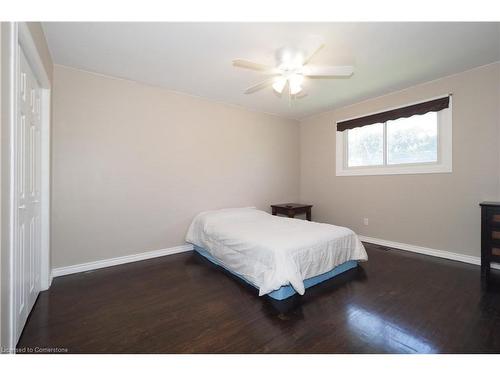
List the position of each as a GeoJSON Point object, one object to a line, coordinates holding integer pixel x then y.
{"type": "Point", "coordinates": [397, 169]}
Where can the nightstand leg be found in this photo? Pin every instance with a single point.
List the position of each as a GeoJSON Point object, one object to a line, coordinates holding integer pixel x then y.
{"type": "Point", "coordinates": [308, 214]}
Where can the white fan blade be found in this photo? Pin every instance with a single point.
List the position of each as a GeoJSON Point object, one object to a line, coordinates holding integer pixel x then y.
{"type": "Point", "coordinates": [319, 48]}
{"type": "Point", "coordinates": [328, 71]}
{"type": "Point", "coordinates": [300, 95]}
{"type": "Point", "coordinates": [247, 64]}
{"type": "Point", "coordinates": [259, 86]}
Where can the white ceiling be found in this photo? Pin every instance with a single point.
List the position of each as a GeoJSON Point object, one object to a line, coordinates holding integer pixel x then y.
{"type": "Point", "coordinates": [195, 58]}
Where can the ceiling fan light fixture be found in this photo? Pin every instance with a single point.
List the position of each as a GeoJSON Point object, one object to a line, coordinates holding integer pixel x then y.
{"type": "Point", "coordinates": [295, 81]}
{"type": "Point", "coordinates": [279, 84]}
{"type": "Point", "coordinates": [291, 69]}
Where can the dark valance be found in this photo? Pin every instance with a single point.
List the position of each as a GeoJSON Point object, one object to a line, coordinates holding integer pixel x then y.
{"type": "Point", "coordinates": [415, 109]}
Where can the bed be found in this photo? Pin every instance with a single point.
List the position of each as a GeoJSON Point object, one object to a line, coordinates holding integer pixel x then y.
{"type": "Point", "coordinates": [278, 256]}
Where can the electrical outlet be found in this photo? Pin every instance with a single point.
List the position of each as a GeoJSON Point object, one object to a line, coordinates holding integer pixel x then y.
{"type": "Point", "coordinates": [365, 221]}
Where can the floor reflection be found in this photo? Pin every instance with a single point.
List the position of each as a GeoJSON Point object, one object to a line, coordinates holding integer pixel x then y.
{"type": "Point", "coordinates": [381, 332]}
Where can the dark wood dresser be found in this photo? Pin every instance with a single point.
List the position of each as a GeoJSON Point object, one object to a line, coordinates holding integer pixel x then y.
{"type": "Point", "coordinates": [490, 237]}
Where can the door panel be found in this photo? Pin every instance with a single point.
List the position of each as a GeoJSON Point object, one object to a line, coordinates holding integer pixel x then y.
{"type": "Point", "coordinates": [27, 168]}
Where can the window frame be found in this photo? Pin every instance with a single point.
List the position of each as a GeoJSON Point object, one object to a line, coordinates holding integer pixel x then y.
{"type": "Point", "coordinates": [444, 151]}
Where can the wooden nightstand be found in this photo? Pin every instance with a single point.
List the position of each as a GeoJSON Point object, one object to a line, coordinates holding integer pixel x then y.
{"type": "Point", "coordinates": [292, 209]}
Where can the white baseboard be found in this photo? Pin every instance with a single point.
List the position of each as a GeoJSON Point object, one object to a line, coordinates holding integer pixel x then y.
{"type": "Point", "coordinates": [61, 271]}
{"type": "Point", "coordinates": [427, 251]}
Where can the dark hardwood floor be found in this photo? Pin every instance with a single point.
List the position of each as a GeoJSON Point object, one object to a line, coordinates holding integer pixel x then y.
{"type": "Point", "coordinates": [397, 302]}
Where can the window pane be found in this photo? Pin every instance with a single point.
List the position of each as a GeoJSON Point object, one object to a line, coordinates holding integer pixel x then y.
{"type": "Point", "coordinates": [365, 146]}
{"type": "Point", "coordinates": [412, 140]}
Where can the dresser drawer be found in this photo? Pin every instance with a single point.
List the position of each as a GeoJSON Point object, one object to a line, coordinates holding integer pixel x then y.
{"type": "Point", "coordinates": [493, 220]}
{"type": "Point", "coordinates": [494, 253]}
{"type": "Point", "coordinates": [494, 234]}
{"type": "Point", "coordinates": [490, 237]}
{"type": "Point", "coordinates": [494, 217]}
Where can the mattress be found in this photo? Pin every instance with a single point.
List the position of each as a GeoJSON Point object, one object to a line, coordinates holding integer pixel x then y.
{"type": "Point", "coordinates": [287, 291]}
{"type": "Point", "coordinates": [272, 252]}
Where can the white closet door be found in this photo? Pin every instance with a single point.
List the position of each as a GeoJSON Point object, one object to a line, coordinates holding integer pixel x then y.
{"type": "Point", "coordinates": [27, 252]}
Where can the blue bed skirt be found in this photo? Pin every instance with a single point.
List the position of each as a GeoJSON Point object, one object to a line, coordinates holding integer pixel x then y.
{"type": "Point", "coordinates": [286, 291]}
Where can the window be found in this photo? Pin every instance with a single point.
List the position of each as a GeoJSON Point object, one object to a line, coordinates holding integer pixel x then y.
{"type": "Point", "coordinates": [365, 146]}
{"type": "Point", "coordinates": [407, 141]}
{"type": "Point", "coordinates": [412, 140]}
{"type": "Point", "coordinates": [417, 144]}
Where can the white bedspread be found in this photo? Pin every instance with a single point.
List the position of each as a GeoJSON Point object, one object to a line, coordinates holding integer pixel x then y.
{"type": "Point", "coordinates": [271, 251]}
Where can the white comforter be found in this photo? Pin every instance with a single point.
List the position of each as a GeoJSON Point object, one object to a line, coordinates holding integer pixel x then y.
{"type": "Point", "coordinates": [271, 251]}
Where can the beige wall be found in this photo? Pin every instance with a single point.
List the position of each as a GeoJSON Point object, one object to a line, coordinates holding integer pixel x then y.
{"type": "Point", "coordinates": [133, 164]}
{"type": "Point", "coordinates": [439, 211]}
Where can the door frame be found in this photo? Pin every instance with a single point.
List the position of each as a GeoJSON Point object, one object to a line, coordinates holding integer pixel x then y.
{"type": "Point", "coordinates": [20, 35]}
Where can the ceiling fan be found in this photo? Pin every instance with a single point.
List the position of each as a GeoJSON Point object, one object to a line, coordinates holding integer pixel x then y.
{"type": "Point", "coordinates": [291, 70]}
